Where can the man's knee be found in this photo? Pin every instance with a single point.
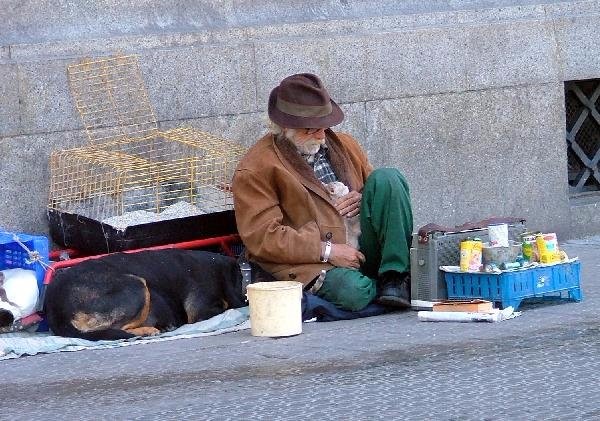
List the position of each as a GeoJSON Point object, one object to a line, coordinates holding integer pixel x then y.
{"type": "Point", "coordinates": [387, 177]}
{"type": "Point", "coordinates": [348, 289]}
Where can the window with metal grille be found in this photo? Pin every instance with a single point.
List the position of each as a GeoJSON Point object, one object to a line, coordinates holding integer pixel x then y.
{"type": "Point", "coordinates": [582, 106]}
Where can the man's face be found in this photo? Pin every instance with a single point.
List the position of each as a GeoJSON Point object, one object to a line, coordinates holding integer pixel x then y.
{"type": "Point", "coordinates": [308, 141]}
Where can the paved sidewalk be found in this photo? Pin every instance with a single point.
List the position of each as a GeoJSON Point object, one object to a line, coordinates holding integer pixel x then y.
{"type": "Point", "coordinates": [541, 364]}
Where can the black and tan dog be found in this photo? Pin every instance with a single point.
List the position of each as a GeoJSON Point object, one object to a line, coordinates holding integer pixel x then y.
{"type": "Point", "coordinates": [123, 295]}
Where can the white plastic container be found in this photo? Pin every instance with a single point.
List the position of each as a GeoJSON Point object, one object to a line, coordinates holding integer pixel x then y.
{"type": "Point", "coordinates": [498, 235]}
{"type": "Point", "coordinates": [275, 308]}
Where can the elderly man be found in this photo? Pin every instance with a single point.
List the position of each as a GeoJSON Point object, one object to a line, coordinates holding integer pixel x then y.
{"type": "Point", "coordinates": [288, 220]}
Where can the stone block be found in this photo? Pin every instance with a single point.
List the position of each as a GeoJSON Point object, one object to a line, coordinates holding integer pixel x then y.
{"type": "Point", "coordinates": [24, 166]}
{"type": "Point", "coordinates": [414, 62]}
{"type": "Point", "coordinates": [419, 136]}
{"type": "Point", "coordinates": [46, 103]}
{"type": "Point", "coordinates": [339, 61]}
{"type": "Point", "coordinates": [25, 158]}
{"type": "Point", "coordinates": [509, 54]}
{"type": "Point", "coordinates": [354, 122]}
{"type": "Point", "coordinates": [24, 210]}
{"type": "Point", "coordinates": [516, 153]}
{"type": "Point", "coordinates": [478, 154]}
{"type": "Point", "coordinates": [9, 100]}
{"type": "Point", "coordinates": [63, 49]}
{"type": "Point", "coordinates": [242, 128]}
{"type": "Point", "coordinates": [200, 81]}
{"type": "Point", "coordinates": [585, 216]}
{"type": "Point", "coordinates": [578, 40]}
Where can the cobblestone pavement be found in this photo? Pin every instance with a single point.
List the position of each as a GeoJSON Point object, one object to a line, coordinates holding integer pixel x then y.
{"type": "Point", "coordinates": [542, 365]}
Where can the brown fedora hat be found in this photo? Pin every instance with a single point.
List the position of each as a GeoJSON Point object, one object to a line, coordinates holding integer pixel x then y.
{"type": "Point", "coordinates": [301, 101]}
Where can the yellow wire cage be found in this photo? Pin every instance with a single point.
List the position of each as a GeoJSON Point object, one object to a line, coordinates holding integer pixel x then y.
{"type": "Point", "coordinates": [130, 167]}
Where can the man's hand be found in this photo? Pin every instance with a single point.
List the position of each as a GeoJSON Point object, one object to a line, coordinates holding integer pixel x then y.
{"type": "Point", "coordinates": [349, 205]}
{"type": "Point", "coordinates": [344, 256]}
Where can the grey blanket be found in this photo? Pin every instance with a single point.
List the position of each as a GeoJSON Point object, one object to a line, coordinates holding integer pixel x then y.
{"type": "Point", "coordinates": [14, 345]}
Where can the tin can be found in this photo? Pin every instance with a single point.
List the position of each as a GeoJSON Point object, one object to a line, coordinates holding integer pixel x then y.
{"type": "Point", "coordinates": [529, 248]}
{"type": "Point", "coordinates": [547, 245]}
{"type": "Point", "coordinates": [466, 246]}
{"type": "Point", "coordinates": [470, 255]}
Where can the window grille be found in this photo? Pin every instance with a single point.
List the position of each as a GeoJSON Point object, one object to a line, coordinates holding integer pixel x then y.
{"type": "Point", "coordinates": [582, 107]}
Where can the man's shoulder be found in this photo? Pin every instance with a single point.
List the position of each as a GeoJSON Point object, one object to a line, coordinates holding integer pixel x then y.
{"type": "Point", "coordinates": [257, 154]}
{"type": "Point", "coordinates": [345, 136]}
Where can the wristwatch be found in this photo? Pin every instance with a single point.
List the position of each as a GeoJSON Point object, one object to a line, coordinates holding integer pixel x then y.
{"type": "Point", "coordinates": [325, 256]}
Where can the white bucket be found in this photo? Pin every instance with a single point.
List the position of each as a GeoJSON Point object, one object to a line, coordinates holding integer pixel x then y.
{"type": "Point", "coordinates": [275, 308]}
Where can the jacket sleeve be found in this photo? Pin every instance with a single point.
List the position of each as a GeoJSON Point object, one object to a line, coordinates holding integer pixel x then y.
{"type": "Point", "coordinates": [259, 221]}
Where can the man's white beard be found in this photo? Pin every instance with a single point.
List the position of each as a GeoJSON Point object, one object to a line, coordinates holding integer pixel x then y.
{"type": "Point", "coordinates": [310, 147]}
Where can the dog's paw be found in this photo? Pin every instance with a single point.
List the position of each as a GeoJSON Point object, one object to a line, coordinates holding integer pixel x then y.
{"type": "Point", "coordinates": [144, 331]}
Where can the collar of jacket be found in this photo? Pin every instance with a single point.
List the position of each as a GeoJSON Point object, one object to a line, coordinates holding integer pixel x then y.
{"type": "Point", "coordinates": [294, 162]}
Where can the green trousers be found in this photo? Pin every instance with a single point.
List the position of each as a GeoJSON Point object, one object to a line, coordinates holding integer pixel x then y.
{"type": "Point", "coordinates": [386, 228]}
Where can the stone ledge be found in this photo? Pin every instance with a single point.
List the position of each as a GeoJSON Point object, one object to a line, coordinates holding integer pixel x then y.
{"type": "Point", "coordinates": [585, 215]}
{"type": "Point", "coordinates": [99, 42]}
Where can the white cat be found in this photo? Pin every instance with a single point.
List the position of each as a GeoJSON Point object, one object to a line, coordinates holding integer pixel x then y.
{"type": "Point", "coordinates": [337, 190]}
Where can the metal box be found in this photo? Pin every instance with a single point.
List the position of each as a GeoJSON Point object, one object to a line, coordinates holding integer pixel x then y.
{"type": "Point", "coordinates": [441, 249]}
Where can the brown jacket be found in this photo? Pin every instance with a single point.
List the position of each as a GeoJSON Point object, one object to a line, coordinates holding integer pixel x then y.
{"type": "Point", "coordinates": [283, 212]}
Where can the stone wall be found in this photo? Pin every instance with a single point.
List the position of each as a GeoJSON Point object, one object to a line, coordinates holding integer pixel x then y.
{"type": "Point", "coordinates": [467, 99]}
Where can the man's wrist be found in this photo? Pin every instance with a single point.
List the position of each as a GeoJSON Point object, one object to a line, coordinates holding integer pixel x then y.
{"type": "Point", "coordinates": [326, 252]}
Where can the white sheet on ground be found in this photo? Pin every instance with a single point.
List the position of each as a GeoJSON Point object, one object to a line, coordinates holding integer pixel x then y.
{"type": "Point", "coordinates": [14, 345]}
{"type": "Point", "coordinates": [496, 315]}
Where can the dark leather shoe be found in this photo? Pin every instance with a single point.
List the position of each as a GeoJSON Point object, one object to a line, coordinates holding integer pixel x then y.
{"type": "Point", "coordinates": [395, 290]}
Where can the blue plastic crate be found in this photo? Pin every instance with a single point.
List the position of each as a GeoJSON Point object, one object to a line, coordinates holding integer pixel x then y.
{"type": "Point", "coordinates": [13, 255]}
{"type": "Point", "coordinates": [510, 288]}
